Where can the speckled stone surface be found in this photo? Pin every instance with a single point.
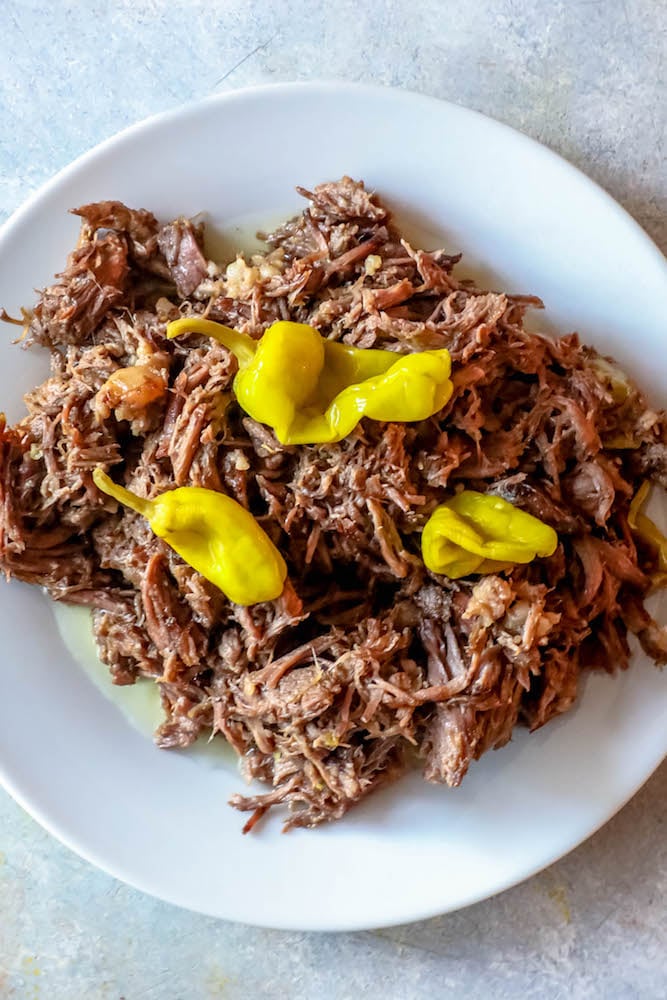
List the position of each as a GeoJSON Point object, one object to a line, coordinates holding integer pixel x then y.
{"type": "Point", "coordinates": [586, 77]}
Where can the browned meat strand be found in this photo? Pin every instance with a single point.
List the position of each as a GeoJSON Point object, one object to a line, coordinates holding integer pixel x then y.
{"type": "Point", "coordinates": [179, 242]}
{"type": "Point", "coordinates": [366, 659]}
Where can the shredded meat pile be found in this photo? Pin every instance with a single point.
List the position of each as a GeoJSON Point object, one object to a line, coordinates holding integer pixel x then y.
{"type": "Point", "coordinates": [367, 659]}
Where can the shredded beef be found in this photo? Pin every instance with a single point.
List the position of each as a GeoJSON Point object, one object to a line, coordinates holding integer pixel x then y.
{"type": "Point", "coordinates": [366, 658]}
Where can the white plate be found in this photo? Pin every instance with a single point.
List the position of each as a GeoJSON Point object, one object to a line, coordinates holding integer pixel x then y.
{"type": "Point", "coordinates": [159, 820]}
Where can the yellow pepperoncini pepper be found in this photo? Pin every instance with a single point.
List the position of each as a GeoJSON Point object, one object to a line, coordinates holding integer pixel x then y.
{"type": "Point", "coordinates": [311, 390]}
{"type": "Point", "coordinates": [213, 534]}
{"type": "Point", "coordinates": [479, 533]}
{"type": "Point", "coordinates": [645, 528]}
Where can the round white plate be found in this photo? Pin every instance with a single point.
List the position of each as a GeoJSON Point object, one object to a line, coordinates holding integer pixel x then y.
{"type": "Point", "coordinates": [159, 820]}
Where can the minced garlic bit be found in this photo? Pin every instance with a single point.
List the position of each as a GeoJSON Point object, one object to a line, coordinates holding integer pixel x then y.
{"type": "Point", "coordinates": [165, 310]}
{"type": "Point", "coordinates": [267, 268]}
{"type": "Point", "coordinates": [240, 279]}
{"type": "Point", "coordinates": [373, 263]}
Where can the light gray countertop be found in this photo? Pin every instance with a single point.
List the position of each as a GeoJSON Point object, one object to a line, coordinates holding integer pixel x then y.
{"type": "Point", "coordinates": [586, 77]}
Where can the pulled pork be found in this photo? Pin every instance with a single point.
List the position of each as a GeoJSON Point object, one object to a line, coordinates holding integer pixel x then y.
{"type": "Point", "coordinates": [367, 659]}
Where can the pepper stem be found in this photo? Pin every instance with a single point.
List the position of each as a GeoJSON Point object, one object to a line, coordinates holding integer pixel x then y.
{"type": "Point", "coordinates": [126, 497]}
{"type": "Point", "coordinates": [242, 347]}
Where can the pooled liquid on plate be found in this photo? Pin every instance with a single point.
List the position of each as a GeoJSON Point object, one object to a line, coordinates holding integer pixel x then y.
{"type": "Point", "coordinates": [239, 235]}
{"type": "Point", "coordinates": [140, 702]}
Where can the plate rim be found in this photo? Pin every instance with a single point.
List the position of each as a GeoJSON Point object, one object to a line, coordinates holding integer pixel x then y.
{"type": "Point", "coordinates": [324, 85]}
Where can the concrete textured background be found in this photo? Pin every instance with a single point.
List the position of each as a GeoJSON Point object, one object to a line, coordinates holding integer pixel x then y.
{"type": "Point", "coordinates": [586, 77]}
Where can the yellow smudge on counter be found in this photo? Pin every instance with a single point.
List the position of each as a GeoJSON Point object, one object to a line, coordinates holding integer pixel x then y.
{"type": "Point", "coordinates": [217, 983]}
{"type": "Point", "coordinates": [29, 966]}
{"type": "Point", "coordinates": [558, 894]}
